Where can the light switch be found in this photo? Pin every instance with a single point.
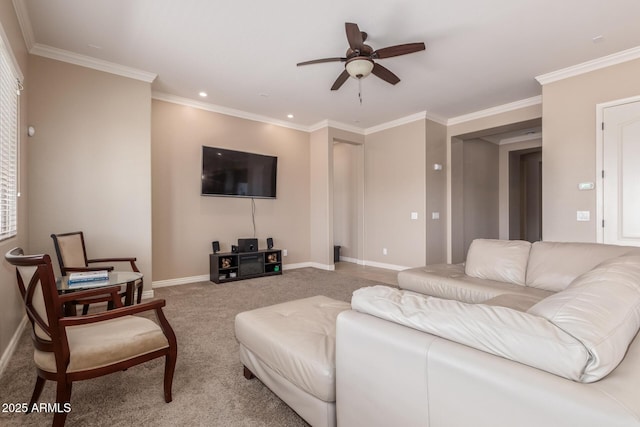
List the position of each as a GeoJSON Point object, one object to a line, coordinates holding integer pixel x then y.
{"type": "Point", "coordinates": [583, 215]}
{"type": "Point", "coordinates": [414, 215]}
{"type": "Point", "coordinates": [435, 215]}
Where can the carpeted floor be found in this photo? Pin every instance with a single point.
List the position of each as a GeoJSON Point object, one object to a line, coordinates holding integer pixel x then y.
{"type": "Point", "coordinates": [208, 387]}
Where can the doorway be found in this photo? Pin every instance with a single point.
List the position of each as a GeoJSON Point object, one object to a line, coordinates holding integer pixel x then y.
{"type": "Point", "coordinates": [525, 194]}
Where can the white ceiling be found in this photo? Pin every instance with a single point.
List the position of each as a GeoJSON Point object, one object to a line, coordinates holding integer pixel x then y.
{"type": "Point", "coordinates": [243, 53]}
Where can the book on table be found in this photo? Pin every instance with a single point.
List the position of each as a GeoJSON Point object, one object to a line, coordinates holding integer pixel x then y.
{"type": "Point", "coordinates": [88, 277]}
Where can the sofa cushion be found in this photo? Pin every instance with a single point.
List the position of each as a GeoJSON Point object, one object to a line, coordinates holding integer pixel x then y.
{"type": "Point", "coordinates": [501, 331]}
{"type": "Point", "coordinates": [449, 281]}
{"type": "Point", "coordinates": [499, 260]}
{"type": "Point", "coordinates": [553, 266]}
{"type": "Point", "coordinates": [601, 309]}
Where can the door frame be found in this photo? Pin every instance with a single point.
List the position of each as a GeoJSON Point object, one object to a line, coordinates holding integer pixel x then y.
{"type": "Point", "coordinates": [600, 160]}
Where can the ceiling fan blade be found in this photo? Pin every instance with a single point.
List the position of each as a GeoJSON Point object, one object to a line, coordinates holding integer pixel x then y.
{"type": "Point", "coordinates": [401, 49]}
{"type": "Point", "coordinates": [340, 80]}
{"type": "Point", "coordinates": [385, 74]}
{"type": "Point", "coordinates": [319, 61]}
{"type": "Point", "coordinates": [354, 36]}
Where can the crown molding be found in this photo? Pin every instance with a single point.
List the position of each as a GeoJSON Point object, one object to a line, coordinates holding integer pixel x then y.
{"type": "Point", "coordinates": [585, 67]}
{"type": "Point", "coordinates": [398, 122]}
{"type": "Point", "coordinates": [536, 100]}
{"type": "Point", "coordinates": [161, 96]}
{"type": "Point", "coordinates": [90, 62]}
{"type": "Point", "coordinates": [20, 6]}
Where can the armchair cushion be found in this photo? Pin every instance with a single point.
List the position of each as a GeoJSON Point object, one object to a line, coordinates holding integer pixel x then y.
{"type": "Point", "coordinates": [104, 343]}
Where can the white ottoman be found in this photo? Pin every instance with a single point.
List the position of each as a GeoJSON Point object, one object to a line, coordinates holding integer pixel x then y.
{"type": "Point", "coordinates": [290, 347]}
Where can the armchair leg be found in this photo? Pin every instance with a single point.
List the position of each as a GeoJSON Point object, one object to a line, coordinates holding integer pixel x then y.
{"type": "Point", "coordinates": [63, 395]}
{"type": "Point", "coordinates": [85, 309]}
{"type": "Point", "coordinates": [169, 369]}
{"type": "Point", "coordinates": [37, 390]}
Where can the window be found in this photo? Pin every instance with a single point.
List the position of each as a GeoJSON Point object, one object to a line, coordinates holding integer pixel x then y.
{"type": "Point", "coordinates": [9, 105]}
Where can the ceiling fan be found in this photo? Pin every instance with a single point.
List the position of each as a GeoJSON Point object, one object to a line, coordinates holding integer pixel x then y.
{"type": "Point", "coordinates": [359, 59]}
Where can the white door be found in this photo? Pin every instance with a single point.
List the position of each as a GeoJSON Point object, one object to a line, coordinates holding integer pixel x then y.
{"type": "Point", "coordinates": [621, 177]}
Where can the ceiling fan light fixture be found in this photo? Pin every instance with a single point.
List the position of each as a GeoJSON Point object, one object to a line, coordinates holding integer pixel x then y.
{"type": "Point", "coordinates": [359, 67]}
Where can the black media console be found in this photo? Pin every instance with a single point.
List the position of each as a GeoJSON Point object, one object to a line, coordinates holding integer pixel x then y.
{"type": "Point", "coordinates": [230, 266]}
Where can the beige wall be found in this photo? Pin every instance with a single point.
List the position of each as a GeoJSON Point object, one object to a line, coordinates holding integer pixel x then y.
{"type": "Point", "coordinates": [395, 186]}
{"type": "Point", "coordinates": [436, 197]}
{"type": "Point", "coordinates": [185, 223]}
{"type": "Point", "coordinates": [90, 160]}
{"type": "Point", "coordinates": [480, 191]}
{"type": "Point", "coordinates": [11, 308]}
{"type": "Point", "coordinates": [569, 146]}
{"type": "Point", "coordinates": [348, 199]}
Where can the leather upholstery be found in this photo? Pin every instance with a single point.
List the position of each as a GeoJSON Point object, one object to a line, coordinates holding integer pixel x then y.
{"type": "Point", "coordinates": [601, 309]}
{"type": "Point", "coordinates": [291, 346]}
{"type": "Point", "coordinates": [391, 375]}
{"type": "Point", "coordinates": [553, 266]}
{"type": "Point", "coordinates": [449, 281]}
{"type": "Point", "coordinates": [499, 260]}
{"type": "Point", "coordinates": [501, 331]}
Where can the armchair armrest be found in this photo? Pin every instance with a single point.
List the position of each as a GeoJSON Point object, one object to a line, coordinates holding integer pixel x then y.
{"type": "Point", "coordinates": [113, 314]}
{"type": "Point", "coordinates": [131, 260]}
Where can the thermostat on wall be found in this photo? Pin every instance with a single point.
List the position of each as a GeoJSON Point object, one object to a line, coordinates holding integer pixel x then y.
{"type": "Point", "coordinates": [586, 186]}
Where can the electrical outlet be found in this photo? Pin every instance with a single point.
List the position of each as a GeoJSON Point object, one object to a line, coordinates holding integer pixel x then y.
{"type": "Point", "coordinates": [384, 251]}
{"type": "Point", "coordinates": [284, 252]}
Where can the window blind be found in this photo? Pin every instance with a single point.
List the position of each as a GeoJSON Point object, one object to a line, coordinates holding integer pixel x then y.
{"type": "Point", "coordinates": [9, 104]}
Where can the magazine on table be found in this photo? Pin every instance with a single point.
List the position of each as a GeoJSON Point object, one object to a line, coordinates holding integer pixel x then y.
{"type": "Point", "coordinates": [88, 276]}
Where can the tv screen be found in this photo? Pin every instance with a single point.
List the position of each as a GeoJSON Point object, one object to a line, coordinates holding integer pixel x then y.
{"type": "Point", "coordinates": [238, 174]}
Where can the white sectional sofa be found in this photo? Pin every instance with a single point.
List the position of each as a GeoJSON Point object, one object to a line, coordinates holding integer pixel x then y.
{"type": "Point", "coordinates": [521, 334]}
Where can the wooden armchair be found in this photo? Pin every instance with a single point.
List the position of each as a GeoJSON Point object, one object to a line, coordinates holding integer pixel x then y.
{"type": "Point", "coordinates": [72, 256]}
{"type": "Point", "coordinates": [69, 349]}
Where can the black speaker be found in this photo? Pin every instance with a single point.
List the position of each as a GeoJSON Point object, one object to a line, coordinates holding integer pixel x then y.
{"type": "Point", "coordinates": [269, 243]}
{"type": "Point", "coordinates": [234, 249]}
{"type": "Point", "coordinates": [216, 246]}
{"type": "Point", "coordinates": [247, 245]}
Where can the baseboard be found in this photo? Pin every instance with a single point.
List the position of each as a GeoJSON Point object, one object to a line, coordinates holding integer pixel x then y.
{"type": "Point", "coordinates": [384, 265]}
{"type": "Point", "coordinates": [6, 356]}
{"type": "Point", "coordinates": [179, 281]}
{"type": "Point", "coordinates": [373, 264]}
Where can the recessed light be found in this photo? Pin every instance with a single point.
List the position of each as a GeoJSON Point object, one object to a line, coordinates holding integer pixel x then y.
{"type": "Point", "coordinates": [203, 94]}
{"type": "Point", "coordinates": [290, 116]}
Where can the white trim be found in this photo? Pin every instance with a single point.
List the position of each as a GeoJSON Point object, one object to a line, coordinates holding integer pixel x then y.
{"type": "Point", "coordinates": [161, 96]}
{"type": "Point", "coordinates": [13, 344]}
{"type": "Point", "coordinates": [395, 123]}
{"type": "Point", "coordinates": [600, 161]}
{"type": "Point", "coordinates": [148, 294]}
{"type": "Point", "coordinates": [336, 125]}
{"type": "Point", "coordinates": [90, 62]}
{"type": "Point", "coordinates": [384, 265]}
{"type": "Point", "coordinates": [24, 21]}
{"type": "Point", "coordinates": [352, 260]}
{"type": "Point", "coordinates": [536, 100]}
{"type": "Point", "coordinates": [585, 67]}
{"type": "Point", "coordinates": [179, 281]}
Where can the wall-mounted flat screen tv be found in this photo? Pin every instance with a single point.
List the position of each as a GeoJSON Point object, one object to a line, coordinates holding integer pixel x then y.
{"type": "Point", "coordinates": [238, 174]}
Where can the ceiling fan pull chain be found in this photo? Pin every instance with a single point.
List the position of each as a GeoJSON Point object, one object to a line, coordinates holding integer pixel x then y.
{"type": "Point", "coordinates": [360, 90]}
